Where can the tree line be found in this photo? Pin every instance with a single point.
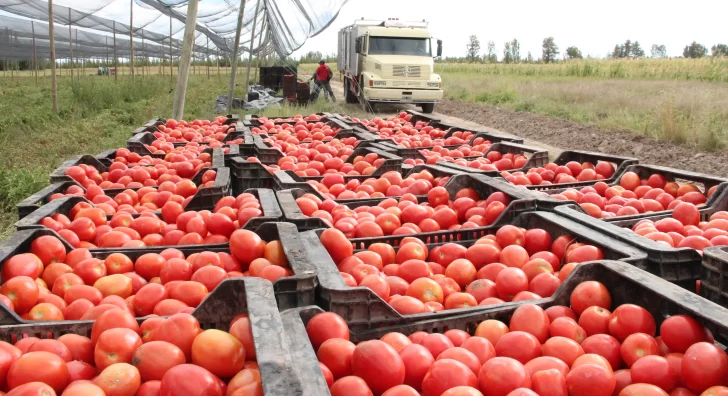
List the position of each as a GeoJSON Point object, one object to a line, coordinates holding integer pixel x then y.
{"type": "Point", "coordinates": [550, 51]}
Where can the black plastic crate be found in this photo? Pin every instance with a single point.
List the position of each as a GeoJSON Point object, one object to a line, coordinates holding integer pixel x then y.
{"type": "Point", "coordinates": [231, 298]}
{"type": "Point", "coordinates": [702, 181]}
{"type": "Point", "coordinates": [714, 278]}
{"type": "Point", "coordinates": [268, 203]}
{"type": "Point", "coordinates": [292, 291]}
{"type": "Point", "coordinates": [621, 165]}
{"type": "Point", "coordinates": [265, 153]}
{"type": "Point", "coordinates": [626, 284]}
{"type": "Point", "coordinates": [681, 266]}
{"type": "Point", "coordinates": [522, 200]}
{"type": "Point", "coordinates": [361, 307]}
{"type": "Point", "coordinates": [247, 175]}
{"type": "Point", "coordinates": [538, 157]}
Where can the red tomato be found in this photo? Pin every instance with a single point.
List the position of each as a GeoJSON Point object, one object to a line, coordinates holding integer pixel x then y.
{"type": "Point", "coordinates": [629, 319]}
{"type": "Point", "coordinates": [501, 375]}
{"type": "Point", "coordinates": [654, 370]}
{"type": "Point", "coordinates": [531, 319]}
{"type": "Point", "coordinates": [337, 354]}
{"type": "Point", "coordinates": [446, 374]}
{"type": "Point", "coordinates": [350, 386]}
{"type": "Point", "coordinates": [679, 332]}
{"type": "Point", "coordinates": [325, 326]}
{"type": "Point", "coordinates": [119, 379]}
{"type": "Point", "coordinates": [704, 365]}
{"type": "Point", "coordinates": [637, 346]}
{"type": "Point", "coordinates": [218, 352]}
{"type": "Point", "coordinates": [518, 345]}
{"type": "Point", "coordinates": [179, 329]}
{"type": "Point", "coordinates": [155, 358]}
{"type": "Point", "coordinates": [25, 369]}
{"type": "Point", "coordinates": [378, 364]}
{"type": "Point", "coordinates": [417, 361]}
{"type": "Point", "coordinates": [588, 294]}
{"type": "Point", "coordinates": [590, 380]}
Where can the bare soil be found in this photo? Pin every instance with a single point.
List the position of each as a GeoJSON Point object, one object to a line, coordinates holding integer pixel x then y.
{"type": "Point", "coordinates": [557, 135]}
{"type": "Point", "coordinates": [570, 135]}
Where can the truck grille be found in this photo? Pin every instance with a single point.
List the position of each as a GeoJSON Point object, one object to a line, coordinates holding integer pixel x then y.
{"type": "Point", "coordinates": [406, 71]}
{"type": "Point", "coordinates": [407, 83]}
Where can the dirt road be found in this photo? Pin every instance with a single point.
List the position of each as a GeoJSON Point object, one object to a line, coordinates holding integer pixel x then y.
{"type": "Point", "coordinates": [557, 135]}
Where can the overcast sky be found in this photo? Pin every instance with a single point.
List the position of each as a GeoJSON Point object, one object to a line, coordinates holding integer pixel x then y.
{"type": "Point", "coordinates": [593, 26]}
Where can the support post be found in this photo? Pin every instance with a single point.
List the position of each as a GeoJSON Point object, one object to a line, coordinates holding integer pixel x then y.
{"type": "Point", "coordinates": [178, 108]}
{"type": "Point", "coordinates": [54, 86]}
{"type": "Point", "coordinates": [234, 58]}
{"type": "Point", "coordinates": [171, 78]}
{"type": "Point", "coordinates": [207, 61]}
{"type": "Point", "coordinates": [35, 55]}
{"type": "Point", "coordinates": [250, 50]}
{"type": "Point", "coordinates": [218, 62]}
{"type": "Point", "coordinates": [116, 60]}
{"type": "Point", "coordinates": [131, 38]}
{"type": "Point", "coordinates": [70, 41]}
{"type": "Point", "coordinates": [257, 56]}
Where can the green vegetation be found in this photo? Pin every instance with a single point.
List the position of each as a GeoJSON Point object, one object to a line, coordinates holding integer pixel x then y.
{"type": "Point", "coordinates": [679, 100]}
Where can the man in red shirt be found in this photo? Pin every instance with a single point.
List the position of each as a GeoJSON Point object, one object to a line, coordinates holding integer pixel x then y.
{"type": "Point", "coordinates": [322, 77]}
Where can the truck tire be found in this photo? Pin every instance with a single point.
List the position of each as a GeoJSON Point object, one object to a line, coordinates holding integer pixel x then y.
{"type": "Point", "coordinates": [348, 93]}
{"type": "Point", "coordinates": [428, 108]}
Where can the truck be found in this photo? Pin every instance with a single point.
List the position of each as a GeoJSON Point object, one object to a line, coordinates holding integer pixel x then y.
{"type": "Point", "coordinates": [389, 61]}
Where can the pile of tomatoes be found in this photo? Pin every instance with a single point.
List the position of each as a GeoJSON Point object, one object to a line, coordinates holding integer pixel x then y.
{"type": "Point", "coordinates": [197, 131]}
{"type": "Point", "coordinates": [50, 283]}
{"type": "Point", "coordinates": [121, 175]}
{"type": "Point", "coordinates": [632, 196]}
{"type": "Point", "coordinates": [406, 215]}
{"type": "Point", "coordinates": [162, 356]}
{"type": "Point", "coordinates": [107, 226]}
{"type": "Point", "coordinates": [300, 131]}
{"type": "Point", "coordinates": [552, 173]}
{"type": "Point", "coordinates": [685, 229]}
{"type": "Point", "coordinates": [512, 265]}
{"type": "Point", "coordinates": [581, 350]}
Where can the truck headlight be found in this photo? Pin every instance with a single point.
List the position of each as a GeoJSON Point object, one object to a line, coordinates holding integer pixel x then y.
{"type": "Point", "coordinates": [379, 83]}
{"type": "Point", "coordinates": [433, 85]}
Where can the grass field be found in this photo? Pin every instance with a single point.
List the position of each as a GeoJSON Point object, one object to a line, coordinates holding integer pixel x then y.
{"type": "Point", "coordinates": [679, 100]}
{"type": "Point", "coordinates": [96, 114]}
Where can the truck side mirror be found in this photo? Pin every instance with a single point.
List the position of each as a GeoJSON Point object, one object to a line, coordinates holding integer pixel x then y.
{"type": "Point", "coordinates": [439, 48]}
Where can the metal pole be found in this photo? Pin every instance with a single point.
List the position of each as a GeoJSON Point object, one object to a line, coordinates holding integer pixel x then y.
{"type": "Point", "coordinates": [218, 62]}
{"type": "Point", "coordinates": [143, 53]}
{"type": "Point", "coordinates": [131, 38]}
{"type": "Point", "coordinates": [257, 56]}
{"type": "Point", "coordinates": [234, 58]}
{"type": "Point", "coordinates": [178, 108]}
{"type": "Point", "coordinates": [207, 50]}
{"type": "Point", "coordinates": [54, 86]}
{"type": "Point", "coordinates": [116, 59]}
{"type": "Point", "coordinates": [80, 55]}
{"type": "Point", "coordinates": [12, 60]}
{"type": "Point", "coordinates": [250, 50]}
{"type": "Point", "coordinates": [70, 41]}
{"type": "Point", "coordinates": [35, 56]}
{"type": "Point", "coordinates": [171, 79]}
{"type": "Point", "coordinates": [106, 40]}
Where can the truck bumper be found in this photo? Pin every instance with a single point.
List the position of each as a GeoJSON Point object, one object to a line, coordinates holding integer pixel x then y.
{"type": "Point", "coordinates": [403, 95]}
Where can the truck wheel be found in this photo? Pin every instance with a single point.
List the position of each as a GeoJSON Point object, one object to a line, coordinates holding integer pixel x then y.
{"type": "Point", "coordinates": [348, 93]}
{"type": "Point", "coordinates": [428, 108]}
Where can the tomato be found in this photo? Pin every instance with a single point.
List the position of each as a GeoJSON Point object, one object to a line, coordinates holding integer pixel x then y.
{"type": "Point", "coordinates": [27, 264]}
{"type": "Point", "coordinates": [112, 319]}
{"type": "Point", "coordinates": [595, 320]}
{"type": "Point", "coordinates": [248, 380]}
{"type": "Point", "coordinates": [654, 370]}
{"type": "Point", "coordinates": [84, 389]}
{"type": "Point", "coordinates": [638, 389]}
{"type": "Point", "coordinates": [463, 356]}
{"type": "Point", "coordinates": [537, 240]}
{"type": "Point", "coordinates": [629, 319]}
{"type": "Point", "coordinates": [22, 291]}
{"type": "Point", "coordinates": [501, 375]}
{"type": "Point", "coordinates": [48, 249]}
{"type": "Point", "coordinates": [35, 389]}
{"type": "Point", "coordinates": [325, 326]}
{"type": "Point", "coordinates": [25, 369]}
{"type": "Point", "coordinates": [155, 358]}
{"type": "Point", "coordinates": [336, 244]}
{"type": "Point", "coordinates": [119, 379]}
{"type": "Point", "coordinates": [679, 332]}
{"type": "Point", "coordinates": [218, 352]}
{"type": "Point", "coordinates": [704, 365]}
{"type": "Point", "coordinates": [549, 382]}
{"type": "Point", "coordinates": [563, 348]}
{"type": "Point", "coordinates": [446, 374]}
{"type": "Point", "coordinates": [53, 346]}
{"type": "Point", "coordinates": [531, 319]}
{"type": "Point", "coordinates": [518, 345]}
{"type": "Point", "coordinates": [242, 330]}
{"type": "Point", "coordinates": [417, 361]}
{"type": "Point", "coordinates": [509, 282]}
{"type": "Point", "coordinates": [350, 386]}
{"type": "Point", "coordinates": [636, 346]}
{"type": "Point", "coordinates": [492, 330]}
{"type": "Point", "coordinates": [567, 327]}
{"type": "Point", "coordinates": [606, 346]}
{"type": "Point", "coordinates": [81, 347]}
{"type": "Point", "coordinates": [590, 380]}
{"type": "Point", "coordinates": [462, 271]}
{"type": "Point", "coordinates": [337, 354]}
{"type": "Point", "coordinates": [588, 294]}
{"type": "Point", "coordinates": [179, 329]}
{"type": "Point", "coordinates": [378, 364]}
{"type": "Point", "coordinates": [116, 346]}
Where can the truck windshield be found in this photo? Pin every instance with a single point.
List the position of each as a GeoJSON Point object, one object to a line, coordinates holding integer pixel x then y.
{"type": "Point", "coordinates": [399, 46]}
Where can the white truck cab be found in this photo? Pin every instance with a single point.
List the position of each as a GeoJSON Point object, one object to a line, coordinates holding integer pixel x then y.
{"type": "Point", "coordinates": [389, 62]}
